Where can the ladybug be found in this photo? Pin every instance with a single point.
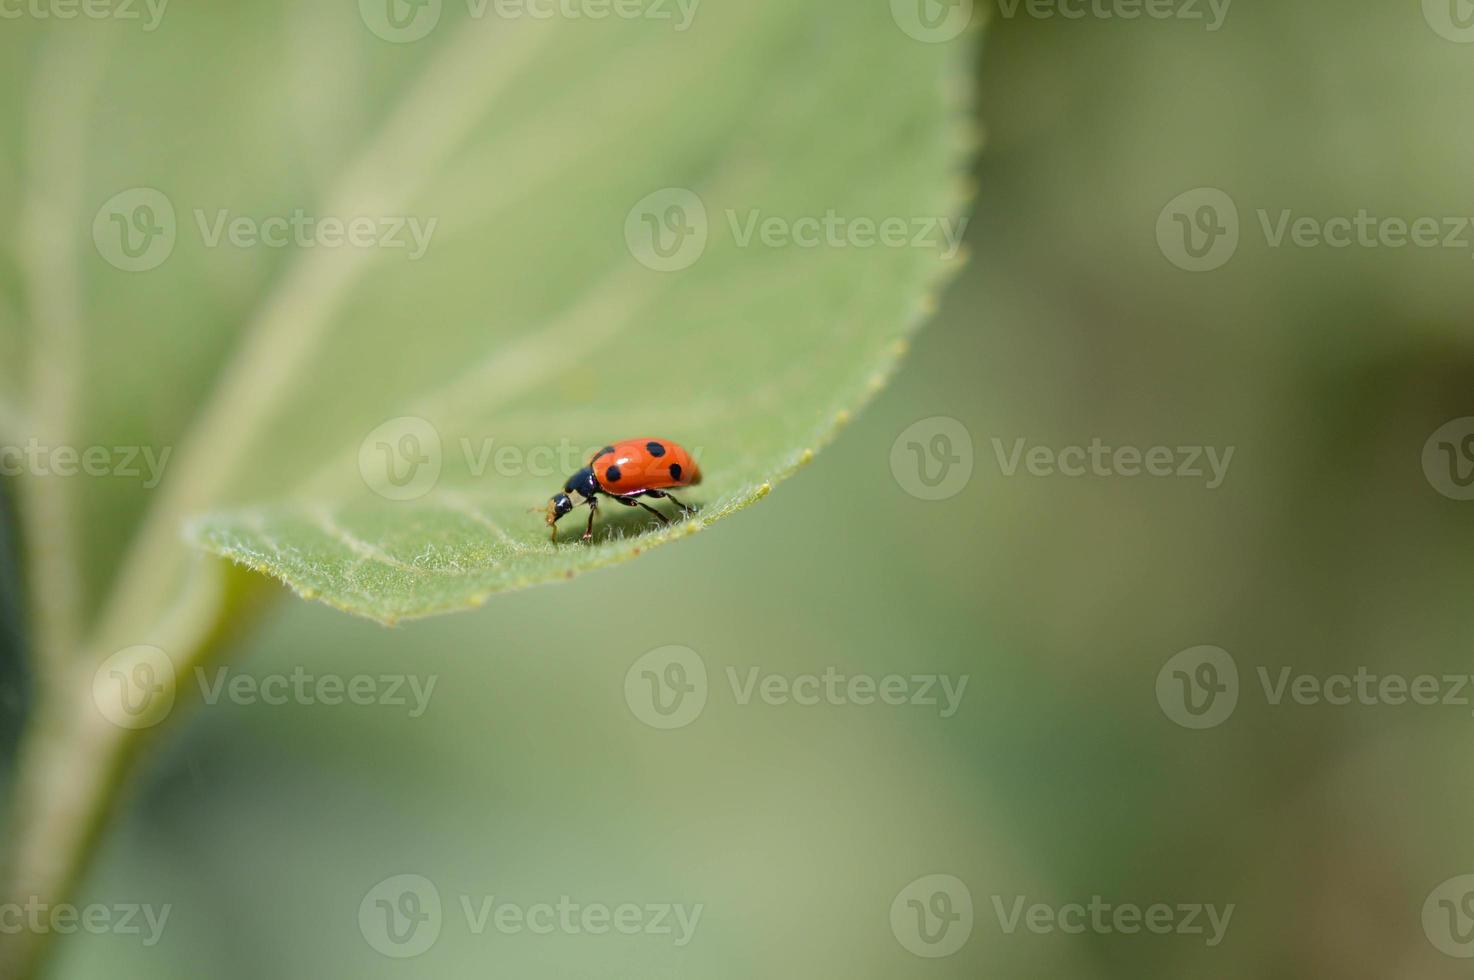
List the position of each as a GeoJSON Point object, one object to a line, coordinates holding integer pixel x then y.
{"type": "Point", "coordinates": [624, 472]}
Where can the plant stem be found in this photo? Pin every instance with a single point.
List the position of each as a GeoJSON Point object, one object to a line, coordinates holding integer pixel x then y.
{"type": "Point", "coordinates": [70, 766]}
{"type": "Point", "coordinates": [74, 760]}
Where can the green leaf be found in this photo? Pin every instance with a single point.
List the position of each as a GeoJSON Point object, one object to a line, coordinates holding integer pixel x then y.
{"type": "Point", "coordinates": [526, 165]}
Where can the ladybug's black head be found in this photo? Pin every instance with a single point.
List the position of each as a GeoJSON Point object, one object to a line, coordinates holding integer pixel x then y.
{"type": "Point", "coordinates": [557, 507]}
{"type": "Point", "coordinates": [581, 483]}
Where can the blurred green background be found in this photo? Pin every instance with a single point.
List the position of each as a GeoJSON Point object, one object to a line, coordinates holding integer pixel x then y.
{"type": "Point", "coordinates": [1061, 777]}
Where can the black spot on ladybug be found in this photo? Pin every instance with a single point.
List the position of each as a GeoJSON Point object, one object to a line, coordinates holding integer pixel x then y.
{"type": "Point", "coordinates": [675, 471]}
{"type": "Point", "coordinates": [606, 449]}
{"type": "Point", "coordinates": [612, 474]}
{"type": "Point", "coordinates": [655, 449]}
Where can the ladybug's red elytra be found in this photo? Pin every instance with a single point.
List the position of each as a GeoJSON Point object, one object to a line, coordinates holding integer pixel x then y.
{"type": "Point", "coordinates": [624, 472]}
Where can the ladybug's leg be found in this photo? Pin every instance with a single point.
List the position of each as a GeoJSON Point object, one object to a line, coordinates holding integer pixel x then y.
{"type": "Point", "coordinates": [628, 502]}
{"type": "Point", "coordinates": [667, 496]}
{"type": "Point", "coordinates": [588, 534]}
{"type": "Point", "coordinates": [663, 518]}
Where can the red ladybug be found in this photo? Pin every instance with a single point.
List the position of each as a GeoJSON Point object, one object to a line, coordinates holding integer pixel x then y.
{"type": "Point", "coordinates": [625, 472]}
